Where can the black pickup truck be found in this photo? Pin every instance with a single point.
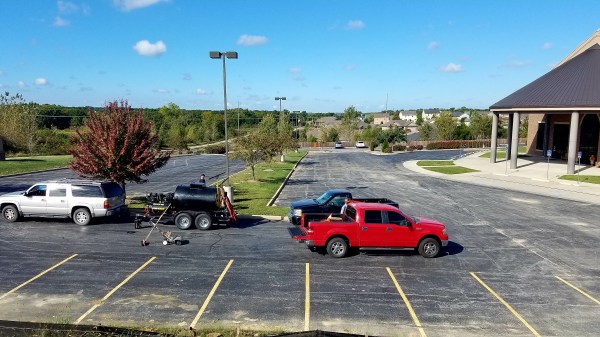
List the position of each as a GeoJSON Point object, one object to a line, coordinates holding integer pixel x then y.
{"type": "Point", "coordinates": [329, 202]}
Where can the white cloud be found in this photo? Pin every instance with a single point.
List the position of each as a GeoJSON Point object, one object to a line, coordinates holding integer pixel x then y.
{"type": "Point", "coordinates": [355, 24]}
{"type": "Point", "coordinates": [350, 67]}
{"type": "Point", "coordinates": [292, 70]}
{"type": "Point", "coordinates": [21, 84]}
{"type": "Point", "coordinates": [187, 77]}
{"type": "Point", "coordinates": [452, 68]}
{"type": "Point", "coordinates": [145, 48]}
{"type": "Point", "coordinates": [65, 7]}
{"type": "Point", "coordinates": [129, 5]}
{"type": "Point", "coordinates": [60, 22]}
{"type": "Point", "coordinates": [299, 78]}
{"type": "Point", "coordinates": [163, 91]}
{"type": "Point", "coordinates": [201, 91]}
{"type": "Point", "coordinates": [518, 63]}
{"type": "Point", "coordinates": [547, 45]}
{"type": "Point", "coordinates": [252, 40]}
{"type": "Point", "coordinates": [41, 81]}
{"type": "Point", "coordinates": [433, 45]}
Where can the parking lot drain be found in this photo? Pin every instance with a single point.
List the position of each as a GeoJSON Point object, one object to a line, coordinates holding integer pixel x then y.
{"type": "Point", "coordinates": [508, 306]}
{"type": "Point", "coordinates": [114, 290]}
{"type": "Point", "coordinates": [37, 276]}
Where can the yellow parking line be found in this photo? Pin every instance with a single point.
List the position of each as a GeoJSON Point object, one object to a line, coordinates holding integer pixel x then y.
{"type": "Point", "coordinates": [408, 305]}
{"type": "Point", "coordinates": [513, 311]}
{"type": "Point", "coordinates": [37, 276]}
{"type": "Point", "coordinates": [307, 299]}
{"type": "Point", "coordinates": [113, 291]}
{"type": "Point", "coordinates": [210, 295]}
{"type": "Point", "coordinates": [581, 291]}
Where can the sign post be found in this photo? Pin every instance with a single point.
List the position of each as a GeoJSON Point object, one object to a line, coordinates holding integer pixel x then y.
{"type": "Point", "coordinates": [578, 165]}
{"type": "Point", "coordinates": [548, 154]}
{"type": "Point", "coordinates": [505, 159]}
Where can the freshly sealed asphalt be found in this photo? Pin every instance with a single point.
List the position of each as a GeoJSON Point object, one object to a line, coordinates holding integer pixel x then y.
{"type": "Point", "coordinates": [518, 264]}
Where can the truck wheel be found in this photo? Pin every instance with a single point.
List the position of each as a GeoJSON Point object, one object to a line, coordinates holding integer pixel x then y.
{"type": "Point", "coordinates": [82, 216]}
{"type": "Point", "coordinates": [183, 221]}
{"type": "Point", "coordinates": [337, 247]}
{"type": "Point", "coordinates": [429, 247]}
{"type": "Point", "coordinates": [10, 213]}
{"type": "Point", "coordinates": [203, 221]}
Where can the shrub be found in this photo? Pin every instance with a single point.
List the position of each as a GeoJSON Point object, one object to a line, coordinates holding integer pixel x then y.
{"type": "Point", "coordinates": [215, 149]}
{"type": "Point", "coordinates": [398, 147]}
{"type": "Point", "coordinates": [52, 142]}
{"type": "Point", "coordinates": [387, 150]}
{"type": "Point", "coordinates": [385, 146]}
{"type": "Point", "coordinates": [372, 146]}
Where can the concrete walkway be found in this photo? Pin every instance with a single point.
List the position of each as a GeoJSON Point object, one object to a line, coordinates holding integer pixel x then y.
{"type": "Point", "coordinates": [533, 175]}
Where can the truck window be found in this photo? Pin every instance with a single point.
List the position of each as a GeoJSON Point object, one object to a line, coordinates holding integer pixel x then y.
{"type": "Point", "coordinates": [350, 214]}
{"type": "Point", "coordinates": [338, 201]}
{"type": "Point", "coordinates": [373, 217]}
{"type": "Point", "coordinates": [397, 219]}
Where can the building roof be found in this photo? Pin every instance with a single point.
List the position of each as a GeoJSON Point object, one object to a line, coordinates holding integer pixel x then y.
{"type": "Point", "coordinates": [572, 84]}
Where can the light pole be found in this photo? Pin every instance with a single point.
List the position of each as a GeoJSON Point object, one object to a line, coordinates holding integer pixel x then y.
{"type": "Point", "coordinates": [229, 55]}
{"type": "Point", "coordinates": [280, 99]}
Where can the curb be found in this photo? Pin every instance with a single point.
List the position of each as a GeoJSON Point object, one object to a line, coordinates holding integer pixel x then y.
{"type": "Point", "coordinates": [40, 171]}
{"type": "Point", "coordinates": [276, 195]}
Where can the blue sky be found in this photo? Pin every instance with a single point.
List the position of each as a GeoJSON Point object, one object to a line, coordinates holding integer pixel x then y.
{"type": "Point", "coordinates": [322, 55]}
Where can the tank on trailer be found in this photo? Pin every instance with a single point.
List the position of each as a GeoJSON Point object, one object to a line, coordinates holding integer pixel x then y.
{"type": "Point", "coordinates": [196, 197]}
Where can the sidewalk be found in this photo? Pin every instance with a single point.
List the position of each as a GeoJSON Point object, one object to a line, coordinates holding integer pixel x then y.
{"type": "Point", "coordinates": [533, 175]}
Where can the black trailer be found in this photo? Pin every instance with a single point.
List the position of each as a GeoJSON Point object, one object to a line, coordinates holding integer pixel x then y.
{"type": "Point", "coordinates": [194, 204]}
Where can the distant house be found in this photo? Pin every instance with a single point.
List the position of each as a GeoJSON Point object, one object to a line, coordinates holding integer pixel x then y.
{"type": "Point", "coordinates": [430, 113]}
{"type": "Point", "coordinates": [381, 118]}
{"type": "Point", "coordinates": [409, 115]}
{"type": "Point", "coordinates": [327, 121]}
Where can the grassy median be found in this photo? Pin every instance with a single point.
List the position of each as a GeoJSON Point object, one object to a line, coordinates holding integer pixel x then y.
{"type": "Point", "coordinates": [251, 196]}
{"type": "Point", "coordinates": [16, 165]}
{"type": "Point", "coordinates": [443, 166]}
{"type": "Point", "coordinates": [581, 178]}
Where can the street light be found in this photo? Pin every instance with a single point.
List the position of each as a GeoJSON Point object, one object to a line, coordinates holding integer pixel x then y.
{"type": "Point", "coordinates": [280, 99]}
{"type": "Point", "coordinates": [229, 55]}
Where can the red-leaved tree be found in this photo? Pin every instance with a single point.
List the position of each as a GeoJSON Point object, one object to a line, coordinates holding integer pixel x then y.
{"type": "Point", "coordinates": [117, 144]}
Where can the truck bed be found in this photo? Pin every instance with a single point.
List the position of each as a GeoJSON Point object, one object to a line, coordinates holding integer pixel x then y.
{"type": "Point", "coordinates": [378, 201]}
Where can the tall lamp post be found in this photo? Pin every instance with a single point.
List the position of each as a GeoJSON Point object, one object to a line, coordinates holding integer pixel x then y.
{"type": "Point", "coordinates": [280, 99]}
{"type": "Point", "coordinates": [229, 55]}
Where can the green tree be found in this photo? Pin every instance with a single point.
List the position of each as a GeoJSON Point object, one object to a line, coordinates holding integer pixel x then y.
{"type": "Point", "coordinates": [117, 144]}
{"type": "Point", "coordinates": [444, 126]}
{"type": "Point", "coordinates": [426, 131]}
{"type": "Point", "coordinates": [481, 125]}
{"type": "Point", "coordinates": [523, 127]}
{"type": "Point", "coordinates": [177, 135]}
{"type": "Point", "coordinates": [18, 122]}
{"type": "Point", "coordinates": [249, 148]}
{"type": "Point", "coordinates": [349, 124]}
{"type": "Point", "coordinates": [419, 121]}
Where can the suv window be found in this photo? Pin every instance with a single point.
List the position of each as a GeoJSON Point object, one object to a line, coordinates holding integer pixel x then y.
{"type": "Point", "coordinates": [373, 217]}
{"type": "Point", "coordinates": [112, 190]}
{"type": "Point", "coordinates": [86, 191]}
{"type": "Point", "coordinates": [57, 192]}
{"type": "Point", "coordinates": [38, 191]}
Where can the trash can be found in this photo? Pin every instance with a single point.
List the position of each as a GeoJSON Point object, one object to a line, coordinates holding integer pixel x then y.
{"type": "Point", "coordinates": [229, 191]}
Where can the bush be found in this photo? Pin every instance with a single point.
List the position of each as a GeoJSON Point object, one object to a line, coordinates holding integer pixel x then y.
{"type": "Point", "coordinates": [387, 150]}
{"type": "Point", "coordinates": [52, 142]}
{"type": "Point", "coordinates": [215, 149]}
{"type": "Point", "coordinates": [457, 144]}
{"type": "Point", "coordinates": [385, 146]}
{"type": "Point", "coordinates": [372, 146]}
{"type": "Point", "coordinates": [398, 147]}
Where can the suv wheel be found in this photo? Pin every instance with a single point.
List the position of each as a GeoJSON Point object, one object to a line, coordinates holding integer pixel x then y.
{"type": "Point", "coordinates": [10, 213]}
{"type": "Point", "coordinates": [183, 221]}
{"type": "Point", "coordinates": [203, 221]}
{"type": "Point", "coordinates": [82, 216]}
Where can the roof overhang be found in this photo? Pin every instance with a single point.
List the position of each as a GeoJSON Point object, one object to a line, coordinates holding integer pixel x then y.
{"type": "Point", "coordinates": [546, 109]}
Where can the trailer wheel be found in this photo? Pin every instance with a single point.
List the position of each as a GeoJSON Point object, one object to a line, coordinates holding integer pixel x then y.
{"type": "Point", "coordinates": [203, 221]}
{"type": "Point", "coordinates": [183, 221]}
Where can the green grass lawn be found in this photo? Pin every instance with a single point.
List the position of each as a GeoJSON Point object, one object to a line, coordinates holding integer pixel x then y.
{"type": "Point", "coordinates": [582, 178]}
{"type": "Point", "coordinates": [501, 154]}
{"type": "Point", "coordinates": [435, 163]}
{"type": "Point", "coordinates": [16, 165]}
{"type": "Point", "coordinates": [251, 196]}
{"type": "Point", "coordinates": [450, 169]}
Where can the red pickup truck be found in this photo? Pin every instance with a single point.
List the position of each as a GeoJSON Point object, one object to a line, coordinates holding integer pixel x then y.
{"type": "Point", "coordinates": [373, 226]}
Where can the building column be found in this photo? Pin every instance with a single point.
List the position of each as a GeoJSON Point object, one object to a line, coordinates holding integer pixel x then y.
{"type": "Point", "coordinates": [509, 135]}
{"type": "Point", "coordinates": [494, 138]}
{"type": "Point", "coordinates": [573, 133]}
{"type": "Point", "coordinates": [514, 144]}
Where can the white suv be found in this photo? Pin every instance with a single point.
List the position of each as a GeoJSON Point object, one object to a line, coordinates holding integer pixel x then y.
{"type": "Point", "coordinates": [80, 200]}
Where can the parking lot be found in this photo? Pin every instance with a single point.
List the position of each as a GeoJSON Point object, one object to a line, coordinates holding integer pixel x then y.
{"type": "Point", "coordinates": [518, 264]}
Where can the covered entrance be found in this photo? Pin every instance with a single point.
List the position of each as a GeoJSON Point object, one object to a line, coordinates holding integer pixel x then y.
{"type": "Point", "coordinates": [588, 140]}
